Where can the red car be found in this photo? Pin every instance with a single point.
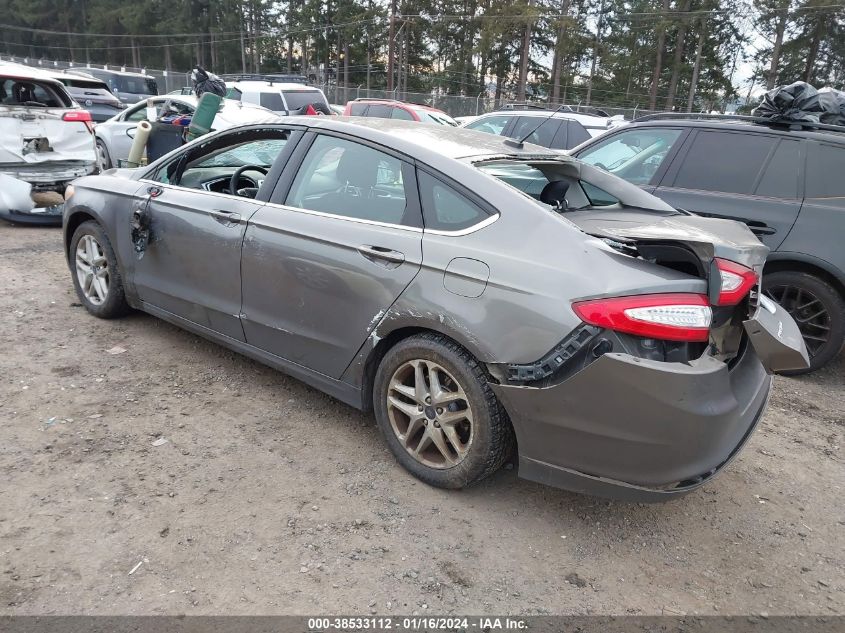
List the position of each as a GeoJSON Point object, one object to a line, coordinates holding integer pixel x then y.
{"type": "Point", "coordinates": [390, 109]}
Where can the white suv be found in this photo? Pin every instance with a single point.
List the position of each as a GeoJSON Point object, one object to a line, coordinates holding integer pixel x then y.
{"type": "Point", "coordinates": [46, 138]}
{"type": "Point", "coordinates": [281, 98]}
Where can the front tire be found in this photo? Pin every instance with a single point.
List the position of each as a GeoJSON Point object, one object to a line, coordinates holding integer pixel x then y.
{"type": "Point", "coordinates": [438, 414]}
{"type": "Point", "coordinates": [96, 276]}
{"type": "Point", "coordinates": [818, 309]}
{"type": "Point", "coordinates": [103, 157]}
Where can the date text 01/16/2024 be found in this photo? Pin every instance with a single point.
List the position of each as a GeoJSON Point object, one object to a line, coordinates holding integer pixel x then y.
{"type": "Point", "coordinates": [415, 623]}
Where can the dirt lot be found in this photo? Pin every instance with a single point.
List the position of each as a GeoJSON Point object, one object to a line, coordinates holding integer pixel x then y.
{"type": "Point", "coordinates": [269, 497]}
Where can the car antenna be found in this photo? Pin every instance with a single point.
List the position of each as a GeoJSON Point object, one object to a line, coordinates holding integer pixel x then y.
{"type": "Point", "coordinates": [519, 143]}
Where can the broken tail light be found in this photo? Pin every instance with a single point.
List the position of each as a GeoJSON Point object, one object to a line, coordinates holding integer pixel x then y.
{"type": "Point", "coordinates": [669, 317]}
{"type": "Point", "coordinates": [80, 116]}
{"type": "Point", "coordinates": [736, 281]}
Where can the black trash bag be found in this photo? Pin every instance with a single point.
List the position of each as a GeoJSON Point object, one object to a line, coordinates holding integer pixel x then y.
{"type": "Point", "coordinates": [205, 81]}
{"type": "Point", "coordinates": [833, 106]}
{"type": "Point", "coordinates": [797, 102]}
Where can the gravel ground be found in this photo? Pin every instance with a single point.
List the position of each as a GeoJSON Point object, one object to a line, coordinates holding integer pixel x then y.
{"type": "Point", "coordinates": [269, 497]}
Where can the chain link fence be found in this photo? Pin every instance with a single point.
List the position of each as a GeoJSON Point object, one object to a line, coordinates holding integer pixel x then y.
{"type": "Point", "coordinates": [453, 105]}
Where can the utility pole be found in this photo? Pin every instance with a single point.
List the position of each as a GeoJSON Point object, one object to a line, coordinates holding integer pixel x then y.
{"type": "Point", "coordinates": [596, 45]}
{"type": "Point", "coordinates": [391, 45]}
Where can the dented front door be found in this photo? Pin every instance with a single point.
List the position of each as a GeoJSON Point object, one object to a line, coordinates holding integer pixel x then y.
{"type": "Point", "coordinates": [187, 247]}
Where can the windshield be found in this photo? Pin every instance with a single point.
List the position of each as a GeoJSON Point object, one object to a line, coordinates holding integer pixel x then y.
{"type": "Point", "coordinates": [435, 117]}
{"type": "Point", "coordinates": [551, 183]}
{"type": "Point", "coordinates": [260, 153]}
{"type": "Point", "coordinates": [297, 99]}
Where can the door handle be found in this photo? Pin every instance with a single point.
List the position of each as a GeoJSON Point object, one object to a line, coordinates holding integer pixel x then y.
{"type": "Point", "coordinates": [229, 218]}
{"type": "Point", "coordinates": [381, 253]}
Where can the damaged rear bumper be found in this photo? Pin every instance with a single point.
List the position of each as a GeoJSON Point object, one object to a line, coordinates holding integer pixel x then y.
{"type": "Point", "coordinates": [636, 429]}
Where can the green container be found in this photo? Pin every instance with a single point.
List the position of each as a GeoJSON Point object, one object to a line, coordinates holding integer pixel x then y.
{"type": "Point", "coordinates": [207, 108]}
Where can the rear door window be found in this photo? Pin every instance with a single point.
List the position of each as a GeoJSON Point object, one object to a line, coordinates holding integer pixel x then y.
{"type": "Point", "coordinates": [728, 162]}
{"type": "Point", "coordinates": [577, 134]}
{"type": "Point", "coordinates": [297, 99]}
{"type": "Point", "coordinates": [358, 109]}
{"type": "Point", "coordinates": [401, 113]}
{"type": "Point", "coordinates": [378, 110]}
{"type": "Point", "coordinates": [535, 129]}
{"type": "Point", "coordinates": [780, 178]}
{"type": "Point", "coordinates": [825, 172]}
{"type": "Point", "coordinates": [635, 155]}
{"type": "Point", "coordinates": [272, 101]}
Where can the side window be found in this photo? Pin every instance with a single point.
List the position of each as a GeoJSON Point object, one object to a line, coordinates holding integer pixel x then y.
{"type": "Point", "coordinates": [444, 209]}
{"type": "Point", "coordinates": [379, 111]}
{"type": "Point", "coordinates": [539, 131]}
{"type": "Point", "coordinates": [490, 124]}
{"type": "Point", "coordinates": [560, 141]}
{"type": "Point", "coordinates": [634, 155]}
{"type": "Point", "coordinates": [358, 109]}
{"type": "Point", "coordinates": [211, 168]}
{"type": "Point", "coordinates": [577, 134]}
{"type": "Point", "coordinates": [401, 113]}
{"type": "Point", "coordinates": [728, 162]}
{"type": "Point", "coordinates": [780, 179]}
{"type": "Point", "coordinates": [272, 101]}
{"type": "Point", "coordinates": [346, 178]}
{"type": "Point", "coordinates": [138, 114]}
{"type": "Point", "coordinates": [825, 172]}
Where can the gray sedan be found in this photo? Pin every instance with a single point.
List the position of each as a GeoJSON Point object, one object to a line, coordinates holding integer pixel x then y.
{"type": "Point", "coordinates": [477, 294]}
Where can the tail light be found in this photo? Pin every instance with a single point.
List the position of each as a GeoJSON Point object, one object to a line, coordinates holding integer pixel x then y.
{"type": "Point", "coordinates": [80, 116]}
{"type": "Point", "coordinates": [737, 281]}
{"type": "Point", "coordinates": [670, 317]}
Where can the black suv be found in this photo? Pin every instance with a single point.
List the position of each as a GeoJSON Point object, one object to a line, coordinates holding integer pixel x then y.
{"type": "Point", "coordinates": [786, 182]}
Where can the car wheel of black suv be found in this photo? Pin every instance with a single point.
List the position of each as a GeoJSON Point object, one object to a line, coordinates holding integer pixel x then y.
{"type": "Point", "coordinates": [438, 414]}
{"type": "Point", "coordinates": [817, 308]}
{"type": "Point", "coordinates": [96, 276]}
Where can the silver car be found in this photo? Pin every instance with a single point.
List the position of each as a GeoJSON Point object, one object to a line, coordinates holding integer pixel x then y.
{"type": "Point", "coordinates": [115, 136]}
{"type": "Point", "coordinates": [477, 295]}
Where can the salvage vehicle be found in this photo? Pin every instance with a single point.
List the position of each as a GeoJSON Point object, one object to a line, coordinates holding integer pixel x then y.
{"type": "Point", "coordinates": [46, 139]}
{"type": "Point", "coordinates": [283, 98]}
{"type": "Point", "coordinates": [114, 137]}
{"type": "Point", "coordinates": [783, 180]}
{"type": "Point", "coordinates": [127, 86]}
{"type": "Point", "coordinates": [427, 274]}
{"type": "Point", "coordinates": [92, 94]}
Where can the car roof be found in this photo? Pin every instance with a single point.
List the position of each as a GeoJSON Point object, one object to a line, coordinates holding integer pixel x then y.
{"type": "Point", "coordinates": [271, 86]}
{"type": "Point", "coordinates": [26, 72]}
{"type": "Point", "coordinates": [428, 140]}
{"type": "Point", "coordinates": [751, 127]}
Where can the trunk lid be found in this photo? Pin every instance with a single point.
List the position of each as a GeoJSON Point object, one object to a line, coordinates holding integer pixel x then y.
{"type": "Point", "coordinates": [37, 135]}
{"type": "Point", "coordinates": [692, 244]}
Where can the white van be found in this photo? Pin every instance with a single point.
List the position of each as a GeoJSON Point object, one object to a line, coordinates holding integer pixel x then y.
{"type": "Point", "coordinates": [281, 98]}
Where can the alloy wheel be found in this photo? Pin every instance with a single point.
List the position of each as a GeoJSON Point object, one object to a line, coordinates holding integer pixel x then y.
{"type": "Point", "coordinates": [809, 312]}
{"type": "Point", "coordinates": [92, 269]}
{"type": "Point", "coordinates": [430, 414]}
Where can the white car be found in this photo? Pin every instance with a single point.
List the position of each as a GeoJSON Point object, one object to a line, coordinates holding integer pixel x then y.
{"type": "Point", "coordinates": [282, 98]}
{"type": "Point", "coordinates": [115, 136]}
{"type": "Point", "coordinates": [513, 119]}
{"type": "Point", "coordinates": [45, 138]}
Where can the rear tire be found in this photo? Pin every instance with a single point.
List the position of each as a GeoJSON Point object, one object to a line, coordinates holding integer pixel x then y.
{"type": "Point", "coordinates": [448, 430]}
{"type": "Point", "coordinates": [818, 309]}
{"type": "Point", "coordinates": [96, 276]}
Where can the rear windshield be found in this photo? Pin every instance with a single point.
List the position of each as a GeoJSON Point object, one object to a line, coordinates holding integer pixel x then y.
{"type": "Point", "coordinates": [16, 91]}
{"type": "Point", "coordinates": [297, 99]}
{"type": "Point", "coordinates": [135, 85]}
{"type": "Point", "coordinates": [532, 178]}
{"type": "Point", "coordinates": [90, 84]}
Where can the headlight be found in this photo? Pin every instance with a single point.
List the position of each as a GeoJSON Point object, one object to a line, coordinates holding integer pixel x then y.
{"type": "Point", "coordinates": [68, 192]}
